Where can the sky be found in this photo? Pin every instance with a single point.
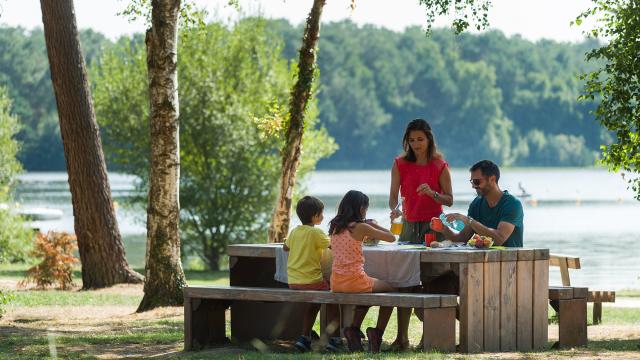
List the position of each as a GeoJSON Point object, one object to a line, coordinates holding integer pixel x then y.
{"type": "Point", "coordinates": [532, 19]}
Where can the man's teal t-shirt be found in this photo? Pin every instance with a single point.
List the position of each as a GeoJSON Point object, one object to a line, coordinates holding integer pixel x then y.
{"type": "Point", "coordinates": [508, 209]}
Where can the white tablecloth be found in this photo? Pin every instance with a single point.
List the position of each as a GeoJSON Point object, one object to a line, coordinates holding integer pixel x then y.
{"type": "Point", "coordinates": [397, 265]}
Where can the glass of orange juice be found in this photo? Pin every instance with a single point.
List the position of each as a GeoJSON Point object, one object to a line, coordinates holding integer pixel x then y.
{"type": "Point", "coordinates": [396, 226]}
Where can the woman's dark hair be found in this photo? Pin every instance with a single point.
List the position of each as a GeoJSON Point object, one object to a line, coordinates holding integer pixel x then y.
{"type": "Point", "coordinates": [348, 211]}
{"type": "Point", "coordinates": [419, 125]}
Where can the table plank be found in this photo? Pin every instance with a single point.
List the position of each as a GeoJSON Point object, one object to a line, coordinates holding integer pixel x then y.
{"type": "Point", "coordinates": [492, 306]}
{"type": "Point", "coordinates": [471, 307]}
{"type": "Point", "coordinates": [540, 303]}
{"type": "Point", "coordinates": [508, 305]}
{"type": "Point", "coordinates": [524, 335]}
{"type": "Point", "coordinates": [253, 250]}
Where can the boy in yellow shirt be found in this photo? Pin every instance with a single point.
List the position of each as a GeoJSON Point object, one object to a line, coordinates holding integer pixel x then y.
{"type": "Point", "coordinates": [305, 245]}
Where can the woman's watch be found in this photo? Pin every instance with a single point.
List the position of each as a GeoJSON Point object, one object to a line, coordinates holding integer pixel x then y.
{"type": "Point", "coordinates": [436, 195]}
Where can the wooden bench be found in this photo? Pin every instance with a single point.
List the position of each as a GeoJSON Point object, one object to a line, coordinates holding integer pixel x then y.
{"type": "Point", "coordinates": [571, 305]}
{"type": "Point", "coordinates": [205, 306]}
{"type": "Point", "coordinates": [566, 262]}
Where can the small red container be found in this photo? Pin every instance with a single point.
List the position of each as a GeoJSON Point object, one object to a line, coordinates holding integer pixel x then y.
{"type": "Point", "coordinates": [429, 238]}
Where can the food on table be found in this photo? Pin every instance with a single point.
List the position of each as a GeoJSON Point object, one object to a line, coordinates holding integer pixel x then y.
{"type": "Point", "coordinates": [441, 244]}
{"type": "Point", "coordinates": [367, 241]}
{"type": "Point", "coordinates": [480, 241]}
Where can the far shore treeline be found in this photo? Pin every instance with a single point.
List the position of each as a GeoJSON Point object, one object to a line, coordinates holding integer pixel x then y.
{"type": "Point", "coordinates": [486, 95]}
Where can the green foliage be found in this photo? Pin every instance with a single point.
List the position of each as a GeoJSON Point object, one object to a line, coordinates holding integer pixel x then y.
{"type": "Point", "coordinates": [24, 68]}
{"type": "Point", "coordinates": [464, 13]}
{"type": "Point", "coordinates": [5, 298]}
{"type": "Point", "coordinates": [483, 94]}
{"type": "Point", "coordinates": [234, 86]}
{"type": "Point", "coordinates": [190, 15]}
{"type": "Point", "coordinates": [617, 83]}
{"type": "Point", "coordinates": [14, 235]}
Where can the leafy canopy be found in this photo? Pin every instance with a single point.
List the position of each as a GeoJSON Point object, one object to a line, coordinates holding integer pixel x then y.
{"type": "Point", "coordinates": [14, 235]}
{"type": "Point", "coordinates": [234, 86]}
{"type": "Point", "coordinates": [617, 82]}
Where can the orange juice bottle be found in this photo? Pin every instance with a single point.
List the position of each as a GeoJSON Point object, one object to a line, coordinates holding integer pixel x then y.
{"type": "Point", "coordinates": [396, 226]}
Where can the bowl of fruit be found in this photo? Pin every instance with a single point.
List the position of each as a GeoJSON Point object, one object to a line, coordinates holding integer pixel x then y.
{"type": "Point", "coordinates": [367, 241]}
{"type": "Point", "coordinates": [480, 241]}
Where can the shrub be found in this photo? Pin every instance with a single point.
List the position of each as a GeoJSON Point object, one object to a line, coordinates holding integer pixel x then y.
{"type": "Point", "coordinates": [56, 251]}
{"type": "Point", "coordinates": [5, 298]}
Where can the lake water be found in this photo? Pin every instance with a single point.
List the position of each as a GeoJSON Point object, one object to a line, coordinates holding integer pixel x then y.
{"type": "Point", "coordinates": [588, 213]}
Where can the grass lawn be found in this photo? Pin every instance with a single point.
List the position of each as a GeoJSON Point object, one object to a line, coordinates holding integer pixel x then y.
{"type": "Point", "coordinates": [103, 324]}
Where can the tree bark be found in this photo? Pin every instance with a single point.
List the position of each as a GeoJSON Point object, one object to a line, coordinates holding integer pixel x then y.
{"type": "Point", "coordinates": [300, 95]}
{"type": "Point", "coordinates": [164, 277]}
{"type": "Point", "coordinates": [101, 252]}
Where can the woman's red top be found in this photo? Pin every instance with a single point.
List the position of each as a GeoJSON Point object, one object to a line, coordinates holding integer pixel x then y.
{"type": "Point", "coordinates": [418, 207]}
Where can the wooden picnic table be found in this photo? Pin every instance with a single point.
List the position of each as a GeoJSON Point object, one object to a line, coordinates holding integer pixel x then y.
{"type": "Point", "coordinates": [503, 296]}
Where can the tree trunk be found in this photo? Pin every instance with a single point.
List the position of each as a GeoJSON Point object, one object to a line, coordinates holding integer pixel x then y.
{"type": "Point", "coordinates": [300, 95]}
{"type": "Point", "coordinates": [99, 243]}
{"type": "Point", "coordinates": [164, 278]}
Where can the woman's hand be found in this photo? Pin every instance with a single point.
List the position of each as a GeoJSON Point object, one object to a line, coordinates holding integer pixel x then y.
{"type": "Point", "coordinates": [425, 189]}
{"type": "Point", "coordinates": [395, 213]}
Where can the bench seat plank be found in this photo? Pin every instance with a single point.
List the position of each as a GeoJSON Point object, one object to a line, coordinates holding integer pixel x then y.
{"type": "Point", "coordinates": [601, 296]}
{"type": "Point", "coordinates": [320, 297]}
{"type": "Point", "coordinates": [560, 293]}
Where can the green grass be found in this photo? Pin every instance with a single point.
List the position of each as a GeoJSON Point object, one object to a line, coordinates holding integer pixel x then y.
{"type": "Point", "coordinates": [29, 343]}
{"type": "Point", "coordinates": [628, 293]}
{"type": "Point", "coordinates": [71, 298]}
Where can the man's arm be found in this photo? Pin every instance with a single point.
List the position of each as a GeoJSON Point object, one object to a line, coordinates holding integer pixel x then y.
{"type": "Point", "coordinates": [499, 235]}
{"type": "Point", "coordinates": [454, 236]}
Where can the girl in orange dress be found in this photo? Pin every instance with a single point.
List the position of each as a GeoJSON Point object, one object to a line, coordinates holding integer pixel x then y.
{"type": "Point", "coordinates": [347, 231]}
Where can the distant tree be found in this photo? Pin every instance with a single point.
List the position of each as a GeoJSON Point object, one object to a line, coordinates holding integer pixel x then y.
{"type": "Point", "coordinates": [100, 245]}
{"type": "Point", "coordinates": [15, 236]}
{"type": "Point", "coordinates": [617, 82]}
{"type": "Point", "coordinates": [465, 13]}
{"type": "Point", "coordinates": [300, 95]}
{"type": "Point", "coordinates": [234, 89]}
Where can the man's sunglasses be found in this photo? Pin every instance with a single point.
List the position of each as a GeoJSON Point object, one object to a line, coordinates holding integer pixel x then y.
{"type": "Point", "coordinates": [475, 182]}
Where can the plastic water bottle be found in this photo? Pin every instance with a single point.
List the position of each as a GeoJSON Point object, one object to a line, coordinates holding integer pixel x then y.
{"type": "Point", "coordinates": [457, 225]}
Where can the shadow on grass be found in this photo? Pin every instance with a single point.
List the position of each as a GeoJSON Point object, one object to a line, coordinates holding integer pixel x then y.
{"type": "Point", "coordinates": [614, 345]}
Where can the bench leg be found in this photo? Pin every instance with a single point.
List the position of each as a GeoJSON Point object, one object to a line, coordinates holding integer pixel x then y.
{"type": "Point", "coordinates": [204, 323]}
{"type": "Point", "coordinates": [572, 320]}
{"type": "Point", "coordinates": [439, 329]}
{"type": "Point", "coordinates": [597, 313]}
{"type": "Point", "coordinates": [329, 320]}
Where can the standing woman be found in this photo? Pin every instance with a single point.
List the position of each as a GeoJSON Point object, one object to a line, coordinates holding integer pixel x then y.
{"type": "Point", "coordinates": [422, 178]}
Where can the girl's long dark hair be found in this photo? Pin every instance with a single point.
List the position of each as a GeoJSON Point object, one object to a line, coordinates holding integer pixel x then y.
{"type": "Point", "coordinates": [420, 125]}
{"type": "Point", "coordinates": [349, 211]}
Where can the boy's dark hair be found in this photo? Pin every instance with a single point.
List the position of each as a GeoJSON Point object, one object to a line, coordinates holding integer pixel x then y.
{"type": "Point", "coordinates": [487, 168]}
{"type": "Point", "coordinates": [308, 207]}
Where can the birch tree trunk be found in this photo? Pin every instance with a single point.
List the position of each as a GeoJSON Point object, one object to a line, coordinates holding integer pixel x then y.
{"type": "Point", "coordinates": [300, 95]}
{"type": "Point", "coordinates": [101, 252]}
{"type": "Point", "coordinates": [164, 278]}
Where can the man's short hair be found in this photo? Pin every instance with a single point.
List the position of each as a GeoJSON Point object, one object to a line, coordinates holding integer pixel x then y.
{"type": "Point", "coordinates": [308, 207]}
{"type": "Point", "coordinates": [487, 168]}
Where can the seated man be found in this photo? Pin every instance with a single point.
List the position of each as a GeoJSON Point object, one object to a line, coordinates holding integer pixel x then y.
{"type": "Point", "coordinates": [494, 213]}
